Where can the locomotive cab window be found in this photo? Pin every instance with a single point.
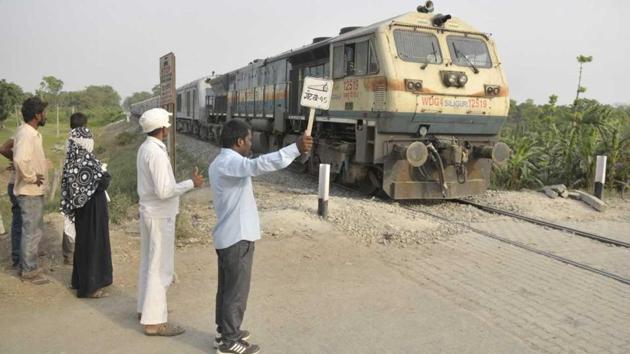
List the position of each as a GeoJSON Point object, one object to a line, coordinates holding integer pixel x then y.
{"type": "Point", "coordinates": [417, 47]}
{"type": "Point", "coordinates": [339, 69]}
{"type": "Point", "coordinates": [354, 59]}
{"type": "Point", "coordinates": [466, 51]}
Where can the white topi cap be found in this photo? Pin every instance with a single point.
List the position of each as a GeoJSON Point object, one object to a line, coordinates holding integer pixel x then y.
{"type": "Point", "coordinates": [153, 119]}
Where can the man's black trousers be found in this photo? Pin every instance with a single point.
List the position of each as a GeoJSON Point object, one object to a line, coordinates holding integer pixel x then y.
{"type": "Point", "coordinates": [235, 270]}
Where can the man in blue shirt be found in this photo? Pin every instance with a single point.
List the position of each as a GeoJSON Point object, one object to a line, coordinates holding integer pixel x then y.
{"type": "Point", "coordinates": [238, 226]}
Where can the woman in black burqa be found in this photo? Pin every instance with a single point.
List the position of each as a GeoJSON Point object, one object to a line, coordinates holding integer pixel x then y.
{"type": "Point", "coordinates": [84, 200]}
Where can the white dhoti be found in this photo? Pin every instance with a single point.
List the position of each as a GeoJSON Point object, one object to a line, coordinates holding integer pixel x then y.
{"type": "Point", "coordinates": [157, 253]}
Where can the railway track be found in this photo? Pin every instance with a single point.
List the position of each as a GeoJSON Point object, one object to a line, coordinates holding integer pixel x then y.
{"type": "Point", "coordinates": [524, 246]}
{"type": "Point", "coordinates": [300, 169]}
{"type": "Point", "coordinates": [545, 223]}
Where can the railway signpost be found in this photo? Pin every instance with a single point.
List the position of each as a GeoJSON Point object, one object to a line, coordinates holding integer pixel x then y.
{"type": "Point", "coordinates": [316, 94]}
{"type": "Point", "coordinates": [168, 99]}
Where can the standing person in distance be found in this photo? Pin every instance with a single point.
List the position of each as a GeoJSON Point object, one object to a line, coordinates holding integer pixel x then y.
{"type": "Point", "coordinates": [69, 233]}
{"type": "Point", "coordinates": [31, 167]}
{"type": "Point", "coordinates": [238, 226]}
{"type": "Point", "coordinates": [84, 205]}
{"type": "Point", "coordinates": [159, 205]}
{"type": "Point", "coordinates": [6, 150]}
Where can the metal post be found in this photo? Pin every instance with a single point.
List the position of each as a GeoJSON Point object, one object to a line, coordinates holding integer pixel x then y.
{"type": "Point", "coordinates": [600, 176]}
{"type": "Point", "coordinates": [324, 188]}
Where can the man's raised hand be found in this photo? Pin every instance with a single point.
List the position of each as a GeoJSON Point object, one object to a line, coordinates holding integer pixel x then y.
{"type": "Point", "coordinates": [304, 143]}
{"type": "Point", "coordinates": [197, 178]}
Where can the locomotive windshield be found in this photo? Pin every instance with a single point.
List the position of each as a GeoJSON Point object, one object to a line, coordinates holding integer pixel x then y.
{"type": "Point", "coordinates": [419, 47]}
{"type": "Point", "coordinates": [467, 51]}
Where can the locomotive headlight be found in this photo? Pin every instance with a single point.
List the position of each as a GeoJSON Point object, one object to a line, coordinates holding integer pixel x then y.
{"type": "Point", "coordinates": [462, 80]}
{"type": "Point", "coordinates": [492, 90]}
{"type": "Point", "coordinates": [452, 79]}
{"type": "Point", "coordinates": [413, 85]}
{"type": "Point", "coordinates": [423, 130]}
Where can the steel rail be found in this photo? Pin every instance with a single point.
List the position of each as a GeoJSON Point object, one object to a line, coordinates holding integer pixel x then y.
{"type": "Point", "coordinates": [528, 248]}
{"type": "Point", "coordinates": [541, 222]}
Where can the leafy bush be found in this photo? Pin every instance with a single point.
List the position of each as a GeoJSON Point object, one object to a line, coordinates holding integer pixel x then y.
{"type": "Point", "coordinates": [559, 144]}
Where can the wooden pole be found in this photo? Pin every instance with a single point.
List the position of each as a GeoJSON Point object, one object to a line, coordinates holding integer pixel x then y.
{"type": "Point", "coordinates": [311, 119]}
{"type": "Point", "coordinates": [324, 189]}
{"type": "Point", "coordinates": [57, 120]}
{"type": "Point", "coordinates": [600, 176]}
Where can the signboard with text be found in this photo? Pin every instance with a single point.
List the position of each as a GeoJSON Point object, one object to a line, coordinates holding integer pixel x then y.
{"type": "Point", "coordinates": [167, 79]}
{"type": "Point", "coordinates": [168, 95]}
{"type": "Point", "coordinates": [316, 93]}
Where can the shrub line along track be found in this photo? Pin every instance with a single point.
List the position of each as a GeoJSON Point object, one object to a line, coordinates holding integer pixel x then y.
{"type": "Point", "coordinates": [511, 242]}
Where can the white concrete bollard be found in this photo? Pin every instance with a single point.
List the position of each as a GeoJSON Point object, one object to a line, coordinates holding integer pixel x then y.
{"type": "Point", "coordinates": [324, 189]}
{"type": "Point", "coordinates": [2, 230]}
{"type": "Point", "coordinates": [600, 176]}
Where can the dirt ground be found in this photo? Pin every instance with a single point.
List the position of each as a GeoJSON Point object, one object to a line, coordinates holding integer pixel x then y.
{"type": "Point", "coordinates": [372, 278]}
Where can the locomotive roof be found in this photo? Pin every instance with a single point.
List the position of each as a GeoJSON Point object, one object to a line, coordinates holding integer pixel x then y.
{"type": "Point", "coordinates": [410, 19]}
{"type": "Point", "coordinates": [414, 19]}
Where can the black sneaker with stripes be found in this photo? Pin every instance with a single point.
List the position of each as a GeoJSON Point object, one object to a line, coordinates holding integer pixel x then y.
{"type": "Point", "coordinates": [218, 338]}
{"type": "Point", "coordinates": [238, 347]}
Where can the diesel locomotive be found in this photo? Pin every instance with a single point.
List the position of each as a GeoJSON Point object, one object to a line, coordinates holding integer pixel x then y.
{"type": "Point", "coordinates": [417, 104]}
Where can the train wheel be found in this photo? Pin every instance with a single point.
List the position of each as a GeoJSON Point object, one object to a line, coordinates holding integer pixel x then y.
{"type": "Point", "coordinates": [373, 183]}
{"type": "Point", "coordinates": [313, 164]}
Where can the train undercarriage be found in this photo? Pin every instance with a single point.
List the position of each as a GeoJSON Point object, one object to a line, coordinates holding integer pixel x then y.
{"type": "Point", "coordinates": [402, 166]}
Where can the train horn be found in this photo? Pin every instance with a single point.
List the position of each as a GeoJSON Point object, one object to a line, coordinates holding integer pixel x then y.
{"type": "Point", "coordinates": [439, 20]}
{"type": "Point", "coordinates": [426, 8]}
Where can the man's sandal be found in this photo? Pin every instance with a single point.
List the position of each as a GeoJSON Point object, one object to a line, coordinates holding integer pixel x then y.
{"type": "Point", "coordinates": [38, 279]}
{"type": "Point", "coordinates": [166, 330]}
{"type": "Point", "coordinates": [98, 294]}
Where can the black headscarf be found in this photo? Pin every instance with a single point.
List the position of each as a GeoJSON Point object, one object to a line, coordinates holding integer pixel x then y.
{"type": "Point", "coordinates": [82, 172]}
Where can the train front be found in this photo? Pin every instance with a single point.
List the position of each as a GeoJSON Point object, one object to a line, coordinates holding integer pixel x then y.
{"type": "Point", "coordinates": [446, 100]}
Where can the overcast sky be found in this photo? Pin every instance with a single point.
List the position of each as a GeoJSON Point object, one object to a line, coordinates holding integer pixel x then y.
{"type": "Point", "coordinates": [118, 42]}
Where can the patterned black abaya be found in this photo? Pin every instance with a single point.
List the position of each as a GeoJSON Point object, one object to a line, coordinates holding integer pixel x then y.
{"type": "Point", "coordinates": [92, 268]}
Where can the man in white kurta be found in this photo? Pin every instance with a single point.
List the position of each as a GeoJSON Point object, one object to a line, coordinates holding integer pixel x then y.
{"type": "Point", "coordinates": [159, 205]}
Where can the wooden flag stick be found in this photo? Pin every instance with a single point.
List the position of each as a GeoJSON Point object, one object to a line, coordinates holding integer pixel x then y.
{"type": "Point", "coordinates": [311, 119]}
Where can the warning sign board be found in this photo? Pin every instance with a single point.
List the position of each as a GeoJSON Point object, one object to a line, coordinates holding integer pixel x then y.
{"type": "Point", "coordinates": [316, 93]}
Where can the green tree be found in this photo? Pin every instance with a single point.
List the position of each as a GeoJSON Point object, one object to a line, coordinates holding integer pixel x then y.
{"type": "Point", "coordinates": [156, 90]}
{"type": "Point", "coordinates": [50, 88]}
{"type": "Point", "coordinates": [136, 97]}
{"type": "Point", "coordinates": [582, 59]}
{"type": "Point", "coordinates": [103, 96]}
{"type": "Point", "coordinates": [11, 96]}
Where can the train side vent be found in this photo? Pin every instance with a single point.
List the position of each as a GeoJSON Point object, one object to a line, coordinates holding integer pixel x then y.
{"type": "Point", "coordinates": [320, 39]}
{"type": "Point", "coordinates": [380, 92]}
{"type": "Point", "coordinates": [348, 29]}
